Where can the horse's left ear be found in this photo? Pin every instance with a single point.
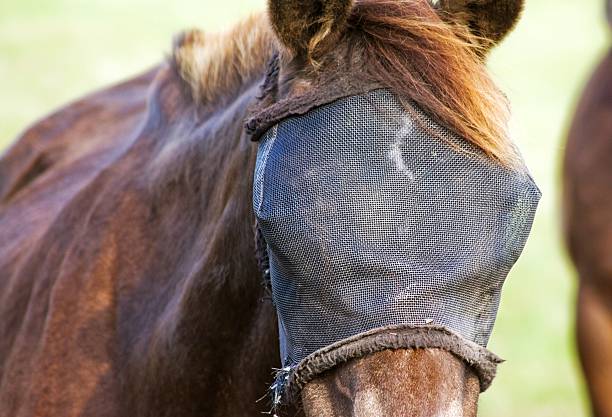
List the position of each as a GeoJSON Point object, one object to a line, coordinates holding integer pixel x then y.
{"type": "Point", "coordinates": [301, 25]}
{"type": "Point", "coordinates": [491, 20]}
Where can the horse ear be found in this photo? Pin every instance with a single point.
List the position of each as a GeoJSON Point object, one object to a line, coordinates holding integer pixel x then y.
{"type": "Point", "coordinates": [491, 20]}
{"type": "Point", "coordinates": [301, 25]}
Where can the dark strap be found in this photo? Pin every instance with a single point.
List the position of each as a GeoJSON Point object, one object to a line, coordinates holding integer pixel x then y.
{"type": "Point", "coordinates": [261, 254]}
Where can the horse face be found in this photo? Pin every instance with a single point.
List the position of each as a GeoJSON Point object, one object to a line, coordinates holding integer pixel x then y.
{"type": "Point", "coordinates": [383, 229]}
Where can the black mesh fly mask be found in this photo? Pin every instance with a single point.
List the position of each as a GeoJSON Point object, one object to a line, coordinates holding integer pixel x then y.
{"type": "Point", "coordinates": [384, 230]}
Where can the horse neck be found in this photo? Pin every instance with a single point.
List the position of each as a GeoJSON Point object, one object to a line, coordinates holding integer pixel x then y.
{"type": "Point", "coordinates": [208, 323]}
{"type": "Point", "coordinates": [419, 383]}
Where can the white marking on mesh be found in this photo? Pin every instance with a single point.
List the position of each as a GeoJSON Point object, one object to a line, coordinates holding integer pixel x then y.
{"type": "Point", "coordinates": [395, 154]}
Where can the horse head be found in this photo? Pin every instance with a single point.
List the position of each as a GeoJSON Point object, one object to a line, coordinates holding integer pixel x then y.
{"type": "Point", "coordinates": [380, 132]}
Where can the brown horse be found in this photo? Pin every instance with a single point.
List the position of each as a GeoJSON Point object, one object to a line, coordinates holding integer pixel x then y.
{"type": "Point", "coordinates": [588, 228]}
{"type": "Point", "coordinates": [128, 279]}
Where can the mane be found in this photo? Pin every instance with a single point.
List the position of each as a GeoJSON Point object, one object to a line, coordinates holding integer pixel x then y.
{"type": "Point", "coordinates": [215, 65]}
{"type": "Point", "coordinates": [406, 46]}
{"type": "Point", "coordinates": [438, 64]}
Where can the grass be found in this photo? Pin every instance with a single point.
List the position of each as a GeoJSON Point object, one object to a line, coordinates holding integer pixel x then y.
{"type": "Point", "coordinates": [52, 51]}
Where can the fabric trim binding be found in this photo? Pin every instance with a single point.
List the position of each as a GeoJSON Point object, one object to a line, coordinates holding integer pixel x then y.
{"type": "Point", "coordinates": [267, 112]}
{"type": "Point", "coordinates": [482, 361]}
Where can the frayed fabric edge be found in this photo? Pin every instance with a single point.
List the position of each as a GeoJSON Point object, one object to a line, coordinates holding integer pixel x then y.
{"type": "Point", "coordinates": [266, 111]}
{"type": "Point", "coordinates": [290, 381]}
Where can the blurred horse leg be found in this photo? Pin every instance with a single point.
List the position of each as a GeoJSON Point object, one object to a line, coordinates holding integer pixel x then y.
{"type": "Point", "coordinates": [587, 208]}
{"type": "Point", "coordinates": [594, 331]}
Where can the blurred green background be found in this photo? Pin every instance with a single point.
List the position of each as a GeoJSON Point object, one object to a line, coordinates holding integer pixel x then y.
{"type": "Point", "coordinates": [52, 51]}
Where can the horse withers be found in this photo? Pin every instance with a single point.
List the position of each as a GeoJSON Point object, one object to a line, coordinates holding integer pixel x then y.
{"type": "Point", "coordinates": [587, 204]}
{"type": "Point", "coordinates": [386, 197]}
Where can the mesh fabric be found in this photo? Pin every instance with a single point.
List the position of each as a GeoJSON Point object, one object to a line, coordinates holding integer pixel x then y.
{"type": "Point", "coordinates": [374, 215]}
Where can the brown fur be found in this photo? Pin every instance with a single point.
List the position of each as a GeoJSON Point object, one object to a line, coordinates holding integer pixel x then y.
{"type": "Point", "coordinates": [128, 283]}
{"type": "Point", "coordinates": [416, 383]}
{"type": "Point", "coordinates": [122, 294]}
{"type": "Point", "coordinates": [217, 64]}
{"type": "Point", "coordinates": [490, 20]}
{"type": "Point", "coordinates": [588, 223]}
{"type": "Point", "coordinates": [303, 25]}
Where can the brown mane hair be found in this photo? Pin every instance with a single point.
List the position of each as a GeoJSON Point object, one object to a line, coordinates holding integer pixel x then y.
{"type": "Point", "coordinates": [408, 46]}
{"type": "Point", "coordinates": [438, 64]}
{"type": "Point", "coordinates": [217, 65]}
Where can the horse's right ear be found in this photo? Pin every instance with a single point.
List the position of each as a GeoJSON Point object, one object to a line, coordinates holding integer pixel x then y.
{"type": "Point", "coordinates": [490, 20]}
{"type": "Point", "coordinates": [301, 25]}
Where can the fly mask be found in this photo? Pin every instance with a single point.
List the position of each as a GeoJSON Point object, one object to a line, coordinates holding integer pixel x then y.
{"type": "Point", "coordinates": [384, 230]}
